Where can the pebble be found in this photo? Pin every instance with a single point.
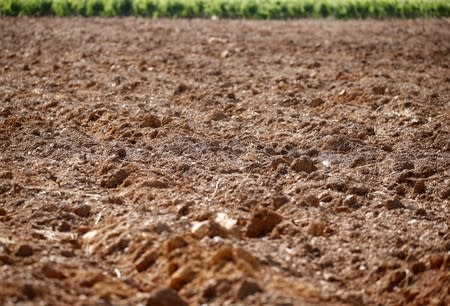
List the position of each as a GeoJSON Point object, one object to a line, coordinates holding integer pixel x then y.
{"type": "Point", "coordinates": [115, 179]}
{"type": "Point", "coordinates": [3, 211]}
{"type": "Point", "coordinates": [24, 250]}
{"type": "Point", "coordinates": [165, 297]}
{"type": "Point", "coordinates": [150, 121]}
{"type": "Point", "coordinates": [246, 288]}
{"type": "Point", "coordinates": [303, 164]}
{"type": "Point", "coordinates": [419, 187]}
{"type": "Point", "coordinates": [262, 222]}
{"type": "Point", "coordinates": [182, 276]}
{"type": "Point", "coordinates": [393, 203]}
{"type": "Point", "coordinates": [350, 200]}
{"type": "Point", "coordinates": [316, 228]}
{"type": "Point", "coordinates": [122, 153]}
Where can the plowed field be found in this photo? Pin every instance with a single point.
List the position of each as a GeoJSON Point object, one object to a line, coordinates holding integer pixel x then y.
{"type": "Point", "coordinates": [187, 162]}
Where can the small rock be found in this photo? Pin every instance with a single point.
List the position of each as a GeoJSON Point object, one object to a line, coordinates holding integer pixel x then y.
{"type": "Point", "coordinates": [182, 276]}
{"type": "Point", "coordinates": [246, 288]}
{"type": "Point", "coordinates": [82, 210]}
{"type": "Point", "coordinates": [146, 260]}
{"type": "Point", "coordinates": [115, 179]}
{"type": "Point", "coordinates": [165, 297]}
{"type": "Point", "coordinates": [419, 187]}
{"type": "Point", "coordinates": [393, 203]}
{"type": "Point", "coordinates": [359, 161]}
{"type": "Point", "coordinates": [150, 121]}
{"type": "Point", "coordinates": [262, 223]}
{"type": "Point", "coordinates": [417, 267]}
{"type": "Point", "coordinates": [218, 116]}
{"type": "Point", "coordinates": [3, 211]}
{"type": "Point", "coordinates": [303, 164]}
{"type": "Point", "coordinates": [50, 272]}
{"type": "Point", "coordinates": [310, 200]}
{"type": "Point", "coordinates": [24, 250]}
{"type": "Point", "coordinates": [316, 228]}
{"type": "Point", "coordinates": [64, 227]}
{"type": "Point", "coordinates": [316, 102]}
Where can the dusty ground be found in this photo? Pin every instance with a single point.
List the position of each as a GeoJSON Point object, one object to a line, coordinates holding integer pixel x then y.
{"type": "Point", "coordinates": [238, 163]}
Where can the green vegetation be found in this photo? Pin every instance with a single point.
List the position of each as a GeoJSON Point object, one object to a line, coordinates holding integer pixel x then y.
{"type": "Point", "coordinates": [257, 9]}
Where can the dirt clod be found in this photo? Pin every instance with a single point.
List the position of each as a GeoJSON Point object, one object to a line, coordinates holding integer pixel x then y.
{"type": "Point", "coordinates": [165, 297]}
{"type": "Point", "coordinates": [303, 164]}
{"type": "Point", "coordinates": [115, 179]}
{"type": "Point", "coordinates": [150, 121]}
{"type": "Point", "coordinates": [394, 203]}
{"type": "Point", "coordinates": [246, 288]}
{"type": "Point", "coordinates": [262, 222]}
{"type": "Point", "coordinates": [419, 187]}
{"type": "Point", "coordinates": [24, 250]}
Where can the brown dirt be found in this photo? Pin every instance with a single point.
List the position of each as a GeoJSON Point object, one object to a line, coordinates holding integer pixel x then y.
{"type": "Point", "coordinates": [224, 162]}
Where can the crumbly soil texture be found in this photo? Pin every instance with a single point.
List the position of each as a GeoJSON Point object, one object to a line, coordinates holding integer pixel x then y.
{"type": "Point", "coordinates": [214, 162]}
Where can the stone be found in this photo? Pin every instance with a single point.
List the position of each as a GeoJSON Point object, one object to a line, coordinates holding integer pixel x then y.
{"type": "Point", "coordinates": [24, 250]}
{"type": "Point", "coordinates": [246, 288]}
{"type": "Point", "coordinates": [165, 297]}
{"type": "Point", "coordinates": [350, 200]}
{"type": "Point", "coordinates": [262, 222]}
{"type": "Point", "coordinates": [303, 164]}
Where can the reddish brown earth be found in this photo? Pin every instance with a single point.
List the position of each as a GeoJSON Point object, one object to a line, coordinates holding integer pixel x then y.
{"type": "Point", "coordinates": [236, 162]}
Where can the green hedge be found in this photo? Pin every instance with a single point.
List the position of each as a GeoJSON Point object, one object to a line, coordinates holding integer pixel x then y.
{"type": "Point", "coordinates": [257, 9]}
